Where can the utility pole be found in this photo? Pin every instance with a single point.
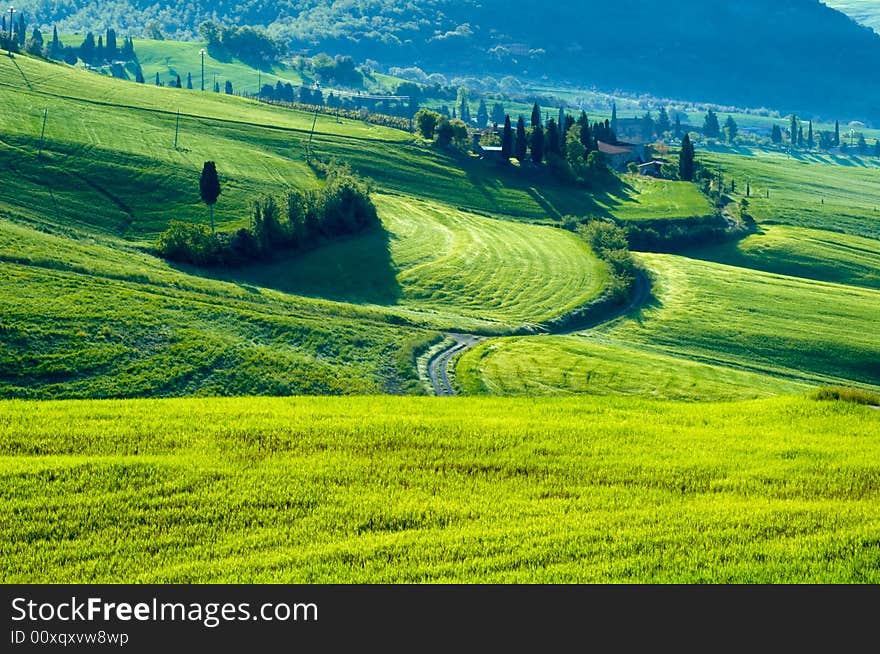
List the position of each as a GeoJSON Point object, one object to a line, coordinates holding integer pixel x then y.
{"type": "Point", "coordinates": [309, 145]}
{"type": "Point", "coordinates": [177, 129]}
{"type": "Point", "coordinates": [43, 133]}
{"type": "Point", "coordinates": [312, 133]}
{"type": "Point", "coordinates": [203, 52]}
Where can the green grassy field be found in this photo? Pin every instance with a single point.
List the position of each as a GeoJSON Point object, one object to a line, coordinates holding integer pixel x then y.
{"type": "Point", "coordinates": [173, 58]}
{"type": "Point", "coordinates": [402, 490]}
{"type": "Point", "coordinates": [81, 319]}
{"type": "Point", "coordinates": [840, 194]}
{"type": "Point", "coordinates": [471, 270]}
{"type": "Point", "coordinates": [755, 320]}
{"type": "Point", "coordinates": [808, 253]}
{"type": "Point", "coordinates": [258, 148]}
{"type": "Point", "coordinates": [659, 199]}
{"type": "Point", "coordinates": [712, 331]}
{"type": "Point", "coordinates": [569, 365]}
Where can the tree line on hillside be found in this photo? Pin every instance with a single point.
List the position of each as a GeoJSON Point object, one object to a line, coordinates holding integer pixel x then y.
{"type": "Point", "coordinates": [796, 40]}
{"type": "Point", "coordinates": [301, 221]}
{"type": "Point", "coordinates": [568, 146]}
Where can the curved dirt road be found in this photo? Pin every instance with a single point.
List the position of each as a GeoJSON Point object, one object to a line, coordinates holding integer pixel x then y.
{"type": "Point", "coordinates": [438, 366]}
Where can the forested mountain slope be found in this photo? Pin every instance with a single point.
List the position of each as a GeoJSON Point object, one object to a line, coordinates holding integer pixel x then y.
{"type": "Point", "coordinates": [790, 55]}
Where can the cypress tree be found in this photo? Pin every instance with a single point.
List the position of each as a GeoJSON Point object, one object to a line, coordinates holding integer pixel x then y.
{"type": "Point", "coordinates": [216, 87]}
{"type": "Point", "coordinates": [507, 140]}
{"type": "Point", "coordinates": [536, 116]}
{"type": "Point", "coordinates": [464, 110]}
{"type": "Point", "coordinates": [776, 135]}
{"type": "Point", "coordinates": [228, 87]}
{"type": "Point", "coordinates": [613, 124]}
{"type": "Point", "coordinates": [498, 113]}
{"type": "Point", "coordinates": [209, 188]}
{"type": "Point", "coordinates": [111, 46]}
{"type": "Point", "coordinates": [538, 143]}
{"type": "Point", "coordinates": [793, 130]}
{"type": "Point", "coordinates": [483, 115]}
{"type": "Point", "coordinates": [801, 136]}
{"type": "Point", "coordinates": [87, 49]}
{"type": "Point", "coordinates": [648, 126]}
{"type": "Point", "coordinates": [189, 81]}
{"type": "Point", "coordinates": [56, 48]}
{"type": "Point", "coordinates": [811, 141]}
{"type": "Point", "coordinates": [584, 133]}
{"type": "Point", "coordinates": [662, 123]}
{"type": "Point", "coordinates": [731, 129]}
{"type": "Point", "coordinates": [158, 83]}
{"type": "Point", "coordinates": [178, 83]}
{"type": "Point", "coordinates": [711, 127]}
{"type": "Point", "coordinates": [686, 160]}
{"type": "Point", "coordinates": [520, 148]}
{"type": "Point", "coordinates": [837, 133]}
{"type": "Point", "coordinates": [21, 30]}
{"type": "Point", "coordinates": [139, 75]}
{"type": "Point", "coordinates": [100, 52]}
{"type": "Point", "coordinates": [553, 146]}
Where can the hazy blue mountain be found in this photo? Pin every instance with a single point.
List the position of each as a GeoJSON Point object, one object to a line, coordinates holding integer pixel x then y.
{"type": "Point", "coordinates": [793, 55]}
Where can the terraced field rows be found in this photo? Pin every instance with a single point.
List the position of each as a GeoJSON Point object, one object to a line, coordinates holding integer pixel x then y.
{"type": "Point", "coordinates": [572, 365]}
{"type": "Point", "coordinates": [449, 268]}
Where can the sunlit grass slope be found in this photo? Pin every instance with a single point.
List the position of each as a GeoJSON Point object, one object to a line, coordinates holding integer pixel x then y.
{"type": "Point", "coordinates": [472, 272]}
{"type": "Point", "coordinates": [809, 253]}
{"type": "Point", "coordinates": [563, 365]}
{"type": "Point", "coordinates": [660, 199]}
{"type": "Point", "coordinates": [81, 319]}
{"type": "Point", "coordinates": [173, 58]}
{"type": "Point", "coordinates": [836, 193]}
{"type": "Point", "coordinates": [117, 138]}
{"type": "Point", "coordinates": [402, 490]}
{"type": "Point", "coordinates": [756, 320]}
{"type": "Point", "coordinates": [91, 317]}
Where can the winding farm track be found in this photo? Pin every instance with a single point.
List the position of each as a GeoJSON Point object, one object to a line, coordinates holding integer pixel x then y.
{"type": "Point", "coordinates": [438, 366]}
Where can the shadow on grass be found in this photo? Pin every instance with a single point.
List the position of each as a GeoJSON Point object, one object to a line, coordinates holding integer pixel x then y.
{"type": "Point", "coordinates": [357, 269]}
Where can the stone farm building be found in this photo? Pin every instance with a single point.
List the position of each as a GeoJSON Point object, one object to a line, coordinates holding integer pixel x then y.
{"type": "Point", "coordinates": [488, 152]}
{"type": "Point", "coordinates": [619, 155]}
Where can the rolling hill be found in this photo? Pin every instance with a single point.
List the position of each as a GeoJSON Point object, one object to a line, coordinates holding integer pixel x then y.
{"type": "Point", "coordinates": [673, 474]}
{"type": "Point", "coordinates": [722, 51]}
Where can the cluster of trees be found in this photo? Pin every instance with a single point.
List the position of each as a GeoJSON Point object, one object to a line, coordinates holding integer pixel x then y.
{"type": "Point", "coordinates": [796, 137]}
{"type": "Point", "coordinates": [13, 35]}
{"type": "Point", "coordinates": [286, 93]}
{"type": "Point", "coordinates": [304, 220]}
{"type": "Point", "coordinates": [443, 130]}
{"type": "Point", "coordinates": [611, 243]}
{"type": "Point", "coordinates": [712, 128]}
{"type": "Point", "coordinates": [106, 49]}
{"type": "Point", "coordinates": [253, 46]}
{"type": "Point", "coordinates": [569, 146]}
{"type": "Point", "coordinates": [337, 70]}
